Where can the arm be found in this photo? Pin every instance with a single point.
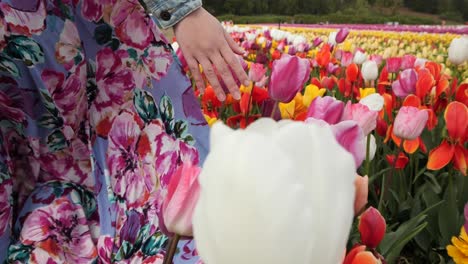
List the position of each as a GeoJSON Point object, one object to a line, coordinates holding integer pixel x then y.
{"type": "Point", "coordinates": [203, 41]}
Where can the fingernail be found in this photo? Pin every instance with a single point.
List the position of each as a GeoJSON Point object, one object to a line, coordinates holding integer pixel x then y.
{"type": "Point", "coordinates": [236, 96]}
{"type": "Point", "coordinates": [247, 83]}
{"type": "Point", "coordinates": [221, 97]}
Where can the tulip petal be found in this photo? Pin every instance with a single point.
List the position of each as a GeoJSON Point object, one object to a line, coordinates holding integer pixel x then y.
{"type": "Point", "coordinates": [353, 252]}
{"type": "Point", "coordinates": [411, 146]}
{"type": "Point", "coordinates": [365, 257]}
{"type": "Point", "coordinates": [412, 100]}
{"type": "Point", "coordinates": [440, 156]}
{"type": "Point", "coordinates": [460, 160]}
{"type": "Point", "coordinates": [456, 118]}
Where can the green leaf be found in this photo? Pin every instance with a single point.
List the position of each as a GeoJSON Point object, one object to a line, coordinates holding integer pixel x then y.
{"type": "Point", "coordinates": [154, 244]}
{"type": "Point", "coordinates": [189, 140]}
{"type": "Point", "coordinates": [448, 217]}
{"type": "Point", "coordinates": [50, 121]}
{"type": "Point", "coordinates": [393, 242]}
{"type": "Point", "coordinates": [48, 103]}
{"type": "Point", "coordinates": [9, 66]}
{"type": "Point", "coordinates": [167, 111]}
{"type": "Point", "coordinates": [133, 54]}
{"type": "Point", "coordinates": [25, 49]}
{"type": "Point", "coordinates": [103, 34]}
{"type": "Point", "coordinates": [19, 253]}
{"type": "Point", "coordinates": [56, 140]}
{"type": "Point", "coordinates": [145, 105]}
{"type": "Point", "coordinates": [125, 251]}
{"type": "Point", "coordinates": [180, 128]}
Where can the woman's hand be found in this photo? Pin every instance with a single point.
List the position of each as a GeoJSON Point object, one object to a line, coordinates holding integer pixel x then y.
{"type": "Point", "coordinates": [204, 41]}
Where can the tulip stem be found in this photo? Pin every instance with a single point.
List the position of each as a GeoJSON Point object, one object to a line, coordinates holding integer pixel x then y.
{"type": "Point", "coordinates": [392, 171]}
{"type": "Point", "coordinates": [368, 155]}
{"type": "Point", "coordinates": [172, 248]}
{"type": "Point", "coordinates": [275, 107]}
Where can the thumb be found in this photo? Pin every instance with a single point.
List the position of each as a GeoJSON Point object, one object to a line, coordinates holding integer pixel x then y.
{"type": "Point", "coordinates": [233, 45]}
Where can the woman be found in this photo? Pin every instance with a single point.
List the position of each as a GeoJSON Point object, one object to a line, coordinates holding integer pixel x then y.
{"type": "Point", "coordinates": [95, 116]}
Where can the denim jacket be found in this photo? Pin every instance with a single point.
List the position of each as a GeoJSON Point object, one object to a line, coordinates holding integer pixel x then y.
{"type": "Point", "coordinates": [169, 12]}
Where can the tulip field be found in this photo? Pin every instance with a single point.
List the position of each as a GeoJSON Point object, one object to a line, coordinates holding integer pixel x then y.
{"type": "Point", "coordinates": [396, 98]}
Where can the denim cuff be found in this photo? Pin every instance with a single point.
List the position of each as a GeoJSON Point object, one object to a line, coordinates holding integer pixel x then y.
{"type": "Point", "coordinates": [170, 12]}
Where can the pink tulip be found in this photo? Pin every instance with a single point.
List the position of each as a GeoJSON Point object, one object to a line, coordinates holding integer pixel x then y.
{"type": "Point", "coordinates": [332, 68]}
{"type": "Point", "coordinates": [179, 202]}
{"type": "Point", "coordinates": [288, 76]}
{"type": "Point", "coordinates": [406, 84]}
{"type": "Point", "coordinates": [377, 58]}
{"type": "Point", "coordinates": [372, 227]}
{"type": "Point", "coordinates": [410, 122]}
{"type": "Point", "coordinates": [326, 108]}
{"type": "Point", "coordinates": [366, 118]}
{"type": "Point", "coordinates": [257, 71]}
{"type": "Point", "coordinates": [350, 136]}
{"type": "Point", "coordinates": [407, 62]}
{"type": "Point", "coordinates": [342, 35]}
{"type": "Point", "coordinates": [393, 64]}
{"type": "Point", "coordinates": [362, 191]}
{"type": "Point", "coordinates": [346, 58]}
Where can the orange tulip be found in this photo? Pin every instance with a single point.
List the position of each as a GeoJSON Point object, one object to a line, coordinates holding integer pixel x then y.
{"type": "Point", "coordinates": [452, 149]}
{"type": "Point", "coordinates": [352, 72]}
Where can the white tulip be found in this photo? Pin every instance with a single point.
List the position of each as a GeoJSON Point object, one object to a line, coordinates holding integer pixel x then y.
{"type": "Point", "coordinates": [458, 50]}
{"type": "Point", "coordinates": [375, 102]}
{"type": "Point", "coordinates": [372, 147]}
{"type": "Point", "coordinates": [332, 38]}
{"type": "Point", "coordinates": [298, 40]}
{"type": "Point", "coordinates": [359, 57]}
{"type": "Point", "coordinates": [370, 70]}
{"type": "Point", "coordinates": [274, 193]}
{"type": "Point", "coordinates": [250, 37]}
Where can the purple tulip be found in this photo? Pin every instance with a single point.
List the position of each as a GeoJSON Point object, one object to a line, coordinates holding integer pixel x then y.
{"type": "Point", "coordinates": [406, 84]}
{"type": "Point", "coordinates": [288, 76]}
{"type": "Point", "coordinates": [342, 35]}
{"type": "Point", "coordinates": [317, 41]}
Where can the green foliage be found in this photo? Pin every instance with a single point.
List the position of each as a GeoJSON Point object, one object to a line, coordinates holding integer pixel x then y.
{"type": "Point", "coordinates": [331, 10]}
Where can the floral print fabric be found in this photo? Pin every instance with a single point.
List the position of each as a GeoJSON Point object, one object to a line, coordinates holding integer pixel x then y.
{"type": "Point", "coordinates": [95, 117]}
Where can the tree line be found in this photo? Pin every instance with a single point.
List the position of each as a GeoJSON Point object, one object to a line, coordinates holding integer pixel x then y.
{"type": "Point", "coordinates": [450, 9]}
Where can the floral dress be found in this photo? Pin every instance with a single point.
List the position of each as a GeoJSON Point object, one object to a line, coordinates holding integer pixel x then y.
{"type": "Point", "coordinates": [95, 116]}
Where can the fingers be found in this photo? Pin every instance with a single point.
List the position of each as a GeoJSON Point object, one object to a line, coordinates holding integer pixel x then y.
{"type": "Point", "coordinates": [226, 75]}
{"type": "Point", "coordinates": [236, 66]}
{"type": "Point", "coordinates": [233, 45]}
{"type": "Point", "coordinates": [210, 74]}
{"type": "Point", "coordinates": [195, 70]}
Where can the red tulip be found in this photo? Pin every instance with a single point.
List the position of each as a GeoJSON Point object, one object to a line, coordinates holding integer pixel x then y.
{"type": "Point", "coordinates": [372, 227]}
{"type": "Point", "coordinates": [179, 202]}
{"type": "Point", "coordinates": [393, 64]}
{"type": "Point", "coordinates": [352, 72]}
{"type": "Point", "coordinates": [401, 161]}
{"type": "Point", "coordinates": [288, 76]}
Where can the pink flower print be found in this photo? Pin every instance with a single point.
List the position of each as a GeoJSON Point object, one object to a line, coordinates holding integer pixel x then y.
{"type": "Point", "coordinates": [104, 247]}
{"type": "Point", "coordinates": [9, 111]}
{"type": "Point", "coordinates": [132, 176]}
{"type": "Point", "coordinates": [153, 62]}
{"type": "Point", "coordinates": [70, 165]}
{"type": "Point", "coordinates": [5, 206]}
{"type": "Point", "coordinates": [3, 33]}
{"type": "Point", "coordinates": [131, 24]}
{"type": "Point", "coordinates": [69, 95]}
{"type": "Point", "coordinates": [23, 22]}
{"type": "Point", "coordinates": [68, 50]}
{"type": "Point", "coordinates": [115, 82]}
{"type": "Point", "coordinates": [60, 232]}
{"type": "Point", "coordinates": [93, 10]}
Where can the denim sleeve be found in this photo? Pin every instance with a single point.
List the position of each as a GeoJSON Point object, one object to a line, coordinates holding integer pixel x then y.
{"type": "Point", "coordinates": [169, 12]}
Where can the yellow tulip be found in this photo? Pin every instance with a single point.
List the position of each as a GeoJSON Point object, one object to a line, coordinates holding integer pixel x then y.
{"type": "Point", "coordinates": [310, 93]}
{"type": "Point", "coordinates": [210, 120]}
{"type": "Point", "coordinates": [363, 92]}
